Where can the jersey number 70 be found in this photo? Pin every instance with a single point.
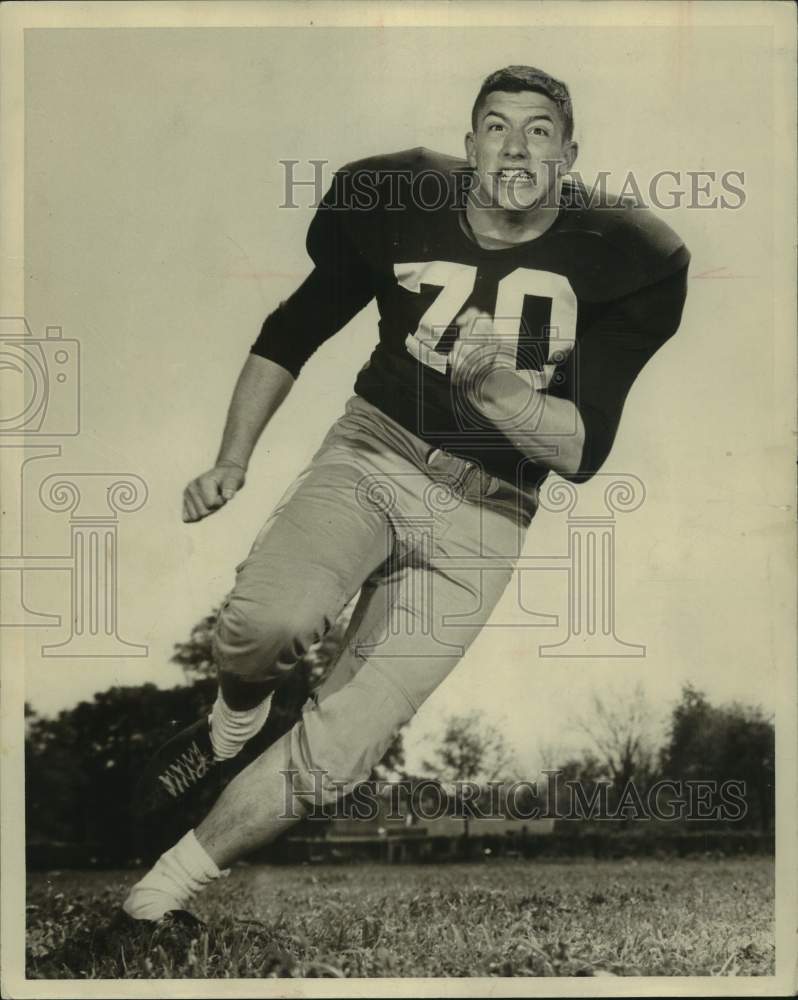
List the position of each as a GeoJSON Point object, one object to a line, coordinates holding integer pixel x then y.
{"type": "Point", "coordinates": [456, 282]}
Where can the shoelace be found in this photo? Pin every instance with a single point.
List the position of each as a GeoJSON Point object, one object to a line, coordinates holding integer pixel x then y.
{"type": "Point", "coordinates": [187, 770]}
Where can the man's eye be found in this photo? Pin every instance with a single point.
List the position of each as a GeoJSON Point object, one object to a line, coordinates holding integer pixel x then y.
{"type": "Point", "coordinates": [495, 127]}
{"type": "Point", "coordinates": [537, 130]}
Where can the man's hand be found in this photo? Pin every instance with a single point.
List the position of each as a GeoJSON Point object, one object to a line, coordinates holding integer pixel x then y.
{"type": "Point", "coordinates": [212, 490]}
{"type": "Point", "coordinates": [478, 351]}
{"type": "Point", "coordinates": [548, 430]}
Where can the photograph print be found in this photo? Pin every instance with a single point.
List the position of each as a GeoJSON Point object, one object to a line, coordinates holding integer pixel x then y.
{"type": "Point", "coordinates": [397, 560]}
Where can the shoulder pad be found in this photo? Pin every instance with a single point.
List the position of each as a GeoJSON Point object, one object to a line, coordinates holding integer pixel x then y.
{"type": "Point", "coordinates": [407, 180]}
{"type": "Point", "coordinates": [416, 161]}
{"type": "Point", "coordinates": [637, 245]}
{"type": "Point", "coordinates": [376, 191]}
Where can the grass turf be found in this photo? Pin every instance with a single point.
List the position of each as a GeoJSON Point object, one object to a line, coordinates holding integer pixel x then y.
{"type": "Point", "coordinates": [695, 917]}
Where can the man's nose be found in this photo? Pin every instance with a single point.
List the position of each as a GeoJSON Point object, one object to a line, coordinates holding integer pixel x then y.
{"type": "Point", "coordinates": [515, 143]}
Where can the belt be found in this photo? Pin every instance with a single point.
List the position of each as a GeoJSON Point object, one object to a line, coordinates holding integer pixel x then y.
{"type": "Point", "coordinates": [467, 475]}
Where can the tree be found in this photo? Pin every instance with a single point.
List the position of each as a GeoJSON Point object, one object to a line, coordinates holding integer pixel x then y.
{"type": "Point", "coordinates": [728, 743]}
{"type": "Point", "coordinates": [82, 766]}
{"type": "Point", "coordinates": [587, 771]}
{"type": "Point", "coordinates": [471, 749]}
{"type": "Point", "coordinates": [195, 655]}
{"type": "Point", "coordinates": [620, 728]}
{"type": "Point", "coordinates": [392, 765]}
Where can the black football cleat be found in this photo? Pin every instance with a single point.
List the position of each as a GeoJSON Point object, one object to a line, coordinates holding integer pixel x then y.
{"type": "Point", "coordinates": [184, 772]}
{"type": "Point", "coordinates": [181, 767]}
{"type": "Point", "coordinates": [122, 925]}
{"type": "Point", "coordinates": [174, 931]}
{"type": "Point", "coordinates": [178, 923]}
{"type": "Point", "coordinates": [121, 934]}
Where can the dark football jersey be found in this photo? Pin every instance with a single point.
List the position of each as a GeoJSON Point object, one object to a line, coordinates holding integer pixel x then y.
{"type": "Point", "coordinates": [584, 305]}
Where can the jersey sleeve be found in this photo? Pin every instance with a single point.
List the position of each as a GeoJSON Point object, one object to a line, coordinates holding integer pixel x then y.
{"type": "Point", "coordinates": [337, 288]}
{"type": "Point", "coordinates": [611, 354]}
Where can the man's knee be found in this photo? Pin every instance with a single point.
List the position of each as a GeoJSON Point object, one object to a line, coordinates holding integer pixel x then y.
{"type": "Point", "coordinates": [253, 640]}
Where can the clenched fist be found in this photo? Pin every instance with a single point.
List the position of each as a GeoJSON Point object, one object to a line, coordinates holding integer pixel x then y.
{"type": "Point", "coordinates": [479, 350]}
{"type": "Point", "coordinates": [212, 490]}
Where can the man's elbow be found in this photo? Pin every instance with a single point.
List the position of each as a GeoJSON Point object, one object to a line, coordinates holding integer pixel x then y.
{"type": "Point", "coordinates": [569, 452]}
{"type": "Point", "coordinates": [567, 462]}
{"type": "Point", "coordinates": [581, 456]}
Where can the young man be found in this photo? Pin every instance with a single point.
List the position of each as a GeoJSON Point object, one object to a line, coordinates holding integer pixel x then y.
{"type": "Point", "coordinates": [514, 319]}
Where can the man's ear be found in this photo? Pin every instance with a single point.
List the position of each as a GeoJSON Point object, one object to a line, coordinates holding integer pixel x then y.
{"type": "Point", "coordinates": [470, 148]}
{"type": "Point", "coordinates": [569, 158]}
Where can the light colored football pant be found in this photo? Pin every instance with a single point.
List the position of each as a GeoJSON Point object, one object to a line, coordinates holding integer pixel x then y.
{"type": "Point", "coordinates": [428, 539]}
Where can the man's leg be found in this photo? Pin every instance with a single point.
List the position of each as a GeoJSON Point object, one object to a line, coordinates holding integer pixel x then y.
{"type": "Point", "coordinates": [386, 675]}
{"type": "Point", "coordinates": [390, 673]}
{"type": "Point", "coordinates": [306, 564]}
{"type": "Point", "coordinates": [308, 561]}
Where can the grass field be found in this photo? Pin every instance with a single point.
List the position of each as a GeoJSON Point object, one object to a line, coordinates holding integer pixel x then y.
{"type": "Point", "coordinates": [505, 918]}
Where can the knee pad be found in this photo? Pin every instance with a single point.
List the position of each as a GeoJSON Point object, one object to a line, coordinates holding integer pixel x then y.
{"type": "Point", "coordinates": [259, 642]}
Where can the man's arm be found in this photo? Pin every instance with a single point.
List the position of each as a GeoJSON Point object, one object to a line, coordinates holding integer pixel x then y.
{"type": "Point", "coordinates": [548, 430]}
{"type": "Point", "coordinates": [570, 426]}
{"type": "Point", "coordinates": [261, 388]}
{"type": "Point", "coordinates": [337, 288]}
{"type": "Point", "coordinates": [259, 391]}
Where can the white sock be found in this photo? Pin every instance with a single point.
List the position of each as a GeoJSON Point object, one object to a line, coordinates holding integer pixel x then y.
{"type": "Point", "coordinates": [177, 875]}
{"type": "Point", "coordinates": [230, 729]}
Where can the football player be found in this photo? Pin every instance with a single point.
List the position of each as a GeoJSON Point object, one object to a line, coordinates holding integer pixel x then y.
{"type": "Point", "coordinates": [514, 318]}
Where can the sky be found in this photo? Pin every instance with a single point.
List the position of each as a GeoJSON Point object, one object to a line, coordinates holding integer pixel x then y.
{"type": "Point", "coordinates": [154, 237]}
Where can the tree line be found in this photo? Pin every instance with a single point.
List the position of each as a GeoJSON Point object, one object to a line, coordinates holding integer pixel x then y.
{"type": "Point", "coordinates": [81, 764]}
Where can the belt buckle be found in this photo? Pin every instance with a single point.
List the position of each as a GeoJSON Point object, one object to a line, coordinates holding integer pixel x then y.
{"type": "Point", "coordinates": [471, 472]}
{"type": "Point", "coordinates": [455, 482]}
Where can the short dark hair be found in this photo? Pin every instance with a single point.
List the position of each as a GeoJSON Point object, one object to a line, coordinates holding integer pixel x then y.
{"type": "Point", "coordinates": [515, 79]}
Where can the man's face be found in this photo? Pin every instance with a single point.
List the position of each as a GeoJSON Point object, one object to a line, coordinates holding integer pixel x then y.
{"type": "Point", "coordinates": [519, 150]}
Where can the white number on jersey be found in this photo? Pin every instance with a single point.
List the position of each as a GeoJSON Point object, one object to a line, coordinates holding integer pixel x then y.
{"type": "Point", "coordinates": [456, 282]}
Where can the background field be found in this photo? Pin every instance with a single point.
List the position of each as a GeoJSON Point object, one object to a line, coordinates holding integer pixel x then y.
{"type": "Point", "coordinates": [508, 918]}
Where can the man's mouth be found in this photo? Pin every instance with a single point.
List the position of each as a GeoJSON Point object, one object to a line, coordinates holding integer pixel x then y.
{"type": "Point", "coordinates": [515, 175]}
